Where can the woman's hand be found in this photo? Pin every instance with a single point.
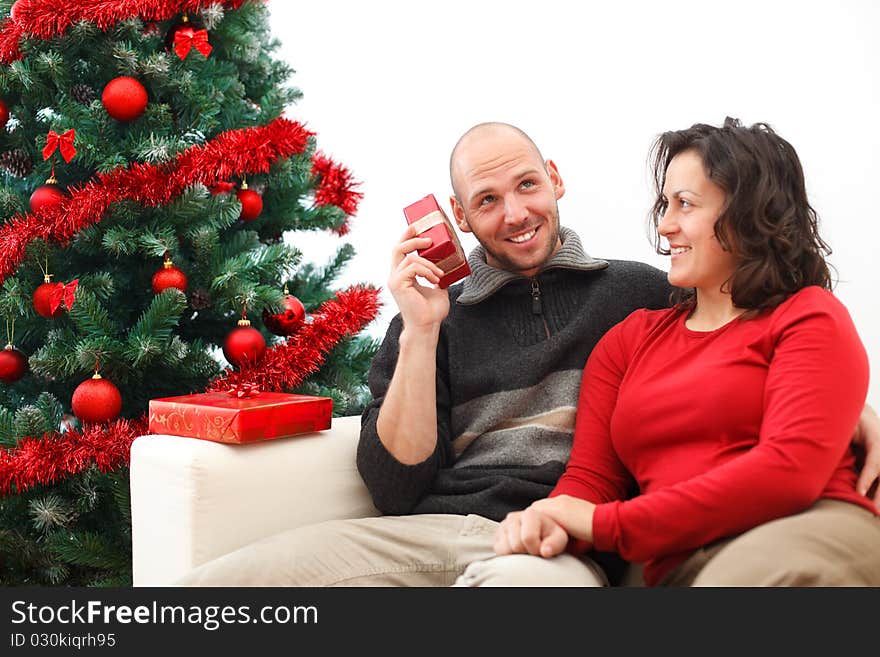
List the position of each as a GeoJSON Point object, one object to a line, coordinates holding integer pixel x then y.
{"type": "Point", "coordinates": [867, 436]}
{"type": "Point", "coordinates": [530, 532]}
{"type": "Point", "coordinates": [573, 514]}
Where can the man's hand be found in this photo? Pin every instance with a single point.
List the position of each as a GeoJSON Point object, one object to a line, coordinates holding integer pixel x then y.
{"type": "Point", "coordinates": [422, 308]}
{"type": "Point", "coordinates": [407, 421]}
{"type": "Point", "coordinates": [867, 436]}
{"type": "Point", "coordinates": [573, 514]}
{"type": "Point", "coordinates": [530, 532]}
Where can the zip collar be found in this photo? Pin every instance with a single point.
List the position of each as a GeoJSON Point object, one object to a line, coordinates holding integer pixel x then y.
{"type": "Point", "coordinates": [486, 280]}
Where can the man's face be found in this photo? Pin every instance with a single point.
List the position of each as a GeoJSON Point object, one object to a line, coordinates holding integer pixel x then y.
{"type": "Point", "coordinates": [507, 199]}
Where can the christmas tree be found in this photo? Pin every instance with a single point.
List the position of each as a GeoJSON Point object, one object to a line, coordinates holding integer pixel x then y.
{"type": "Point", "coordinates": [150, 191]}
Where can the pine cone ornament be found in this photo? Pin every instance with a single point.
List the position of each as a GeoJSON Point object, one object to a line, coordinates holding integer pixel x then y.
{"type": "Point", "coordinates": [83, 93]}
{"type": "Point", "coordinates": [17, 162]}
{"type": "Point", "coordinates": [200, 299]}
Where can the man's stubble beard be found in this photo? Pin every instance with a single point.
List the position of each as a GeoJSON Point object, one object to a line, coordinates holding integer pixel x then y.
{"type": "Point", "coordinates": [510, 265]}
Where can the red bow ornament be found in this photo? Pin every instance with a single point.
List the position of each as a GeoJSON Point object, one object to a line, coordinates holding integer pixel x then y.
{"type": "Point", "coordinates": [62, 142]}
{"type": "Point", "coordinates": [63, 292]}
{"type": "Point", "coordinates": [222, 187]}
{"type": "Point", "coordinates": [244, 390]}
{"type": "Point", "coordinates": [186, 38]}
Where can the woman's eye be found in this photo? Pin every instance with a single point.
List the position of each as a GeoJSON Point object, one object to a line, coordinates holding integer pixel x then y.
{"type": "Point", "coordinates": [685, 203]}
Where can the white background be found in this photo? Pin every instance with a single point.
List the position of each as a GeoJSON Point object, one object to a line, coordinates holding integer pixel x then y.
{"type": "Point", "coordinates": [390, 86]}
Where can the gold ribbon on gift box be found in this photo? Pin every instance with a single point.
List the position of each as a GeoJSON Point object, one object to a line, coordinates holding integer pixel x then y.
{"type": "Point", "coordinates": [436, 218]}
{"type": "Point", "coordinates": [195, 422]}
{"type": "Point", "coordinates": [430, 220]}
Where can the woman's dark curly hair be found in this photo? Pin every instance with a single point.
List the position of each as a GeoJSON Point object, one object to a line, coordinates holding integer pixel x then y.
{"type": "Point", "coordinates": [767, 222]}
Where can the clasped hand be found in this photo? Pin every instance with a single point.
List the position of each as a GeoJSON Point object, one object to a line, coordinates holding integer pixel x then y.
{"type": "Point", "coordinates": [545, 527]}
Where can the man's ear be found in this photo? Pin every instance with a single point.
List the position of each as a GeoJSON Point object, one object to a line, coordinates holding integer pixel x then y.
{"type": "Point", "coordinates": [458, 215]}
{"type": "Point", "coordinates": [555, 178]}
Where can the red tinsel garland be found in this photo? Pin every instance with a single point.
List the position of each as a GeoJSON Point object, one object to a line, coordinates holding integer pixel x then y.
{"type": "Point", "coordinates": [233, 152]}
{"type": "Point", "coordinates": [47, 19]}
{"type": "Point", "coordinates": [336, 187]}
{"type": "Point", "coordinates": [288, 363]}
{"type": "Point", "coordinates": [47, 459]}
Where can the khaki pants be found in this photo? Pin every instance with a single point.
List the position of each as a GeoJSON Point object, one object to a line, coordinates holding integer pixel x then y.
{"type": "Point", "coordinates": [832, 543]}
{"type": "Point", "coordinates": [418, 550]}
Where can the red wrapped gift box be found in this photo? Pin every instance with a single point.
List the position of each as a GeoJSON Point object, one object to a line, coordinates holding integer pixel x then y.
{"type": "Point", "coordinates": [227, 418]}
{"type": "Point", "coordinates": [446, 251]}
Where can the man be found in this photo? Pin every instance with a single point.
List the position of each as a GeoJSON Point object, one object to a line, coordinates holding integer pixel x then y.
{"type": "Point", "coordinates": [475, 391]}
{"type": "Point", "coordinates": [478, 414]}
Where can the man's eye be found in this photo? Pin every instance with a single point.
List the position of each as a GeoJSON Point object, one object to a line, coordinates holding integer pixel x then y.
{"type": "Point", "coordinates": [487, 199]}
{"type": "Point", "coordinates": [527, 183]}
{"type": "Point", "coordinates": [685, 203]}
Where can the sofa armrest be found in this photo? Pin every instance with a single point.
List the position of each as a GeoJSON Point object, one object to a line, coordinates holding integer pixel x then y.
{"type": "Point", "coordinates": [194, 500]}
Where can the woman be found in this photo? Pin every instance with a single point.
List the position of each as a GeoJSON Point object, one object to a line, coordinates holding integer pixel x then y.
{"type": "Point", "coordinates": [733, 410]}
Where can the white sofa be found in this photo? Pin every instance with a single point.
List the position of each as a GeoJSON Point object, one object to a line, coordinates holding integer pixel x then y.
{"type": "Point", "coordinates": [194, 500]}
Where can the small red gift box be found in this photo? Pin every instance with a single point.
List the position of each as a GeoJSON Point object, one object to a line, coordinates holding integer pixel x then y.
{"type": "Point", "coordinates": [446, 251]}
{"type": "Point", "coordinates": [227, 418]}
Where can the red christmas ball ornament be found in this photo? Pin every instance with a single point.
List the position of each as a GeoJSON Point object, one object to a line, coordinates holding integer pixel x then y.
{"type": "Point", "coordinates": [244, 345]}
{"type": "Point", "coordinates": [96, 400]}
{"type": "Point", "coordinates": [47, 197]}
{"type": "Point", "coordinates": [169, 276]}
{"type": "Point", "coordinates": [13, 364]}
{"type": "Point", "coordinates": [42, 299]}
{"type": "Point", "coordinates": [251, 203]}
{"type": "Point", "coordinates": [124, 98]}
{"type": "Point", "coordinates": [289, 320]}
{"type": "Point", "coordinates": [4, 114]}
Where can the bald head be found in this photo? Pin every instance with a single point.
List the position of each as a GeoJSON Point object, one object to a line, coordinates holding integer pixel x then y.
{"type": "Point", "coordinates": [484, 131]}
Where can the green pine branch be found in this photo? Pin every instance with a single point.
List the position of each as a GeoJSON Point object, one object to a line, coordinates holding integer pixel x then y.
{"type": "Point", "coordinates": [89, 315]}
{"type": "Point", "coordinates": [50, 409]}
{"type": "Point", "coordinates": [87, 548]}
{"type": "Point", "coordinates": [151, 334]}
{"type": "Point", "coordinates": [8, 435]}
{"type": "Point", "coordinates": [55, 358]}
{"type": "Point", "coordinates": [29, 421]}
{"type": "Point", "coordinates": [312, 286]}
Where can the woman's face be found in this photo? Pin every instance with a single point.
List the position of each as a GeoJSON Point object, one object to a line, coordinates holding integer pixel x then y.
{"type": "Point", "coordinates": [694, 203]}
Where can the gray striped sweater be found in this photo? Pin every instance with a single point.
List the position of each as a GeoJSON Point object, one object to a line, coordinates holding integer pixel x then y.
{"type": "Point", "coordinates": [509, 363]}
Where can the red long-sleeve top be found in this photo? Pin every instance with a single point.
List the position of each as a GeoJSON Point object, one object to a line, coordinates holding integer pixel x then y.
{"type": "Point", "coordinates": [722, 430]}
